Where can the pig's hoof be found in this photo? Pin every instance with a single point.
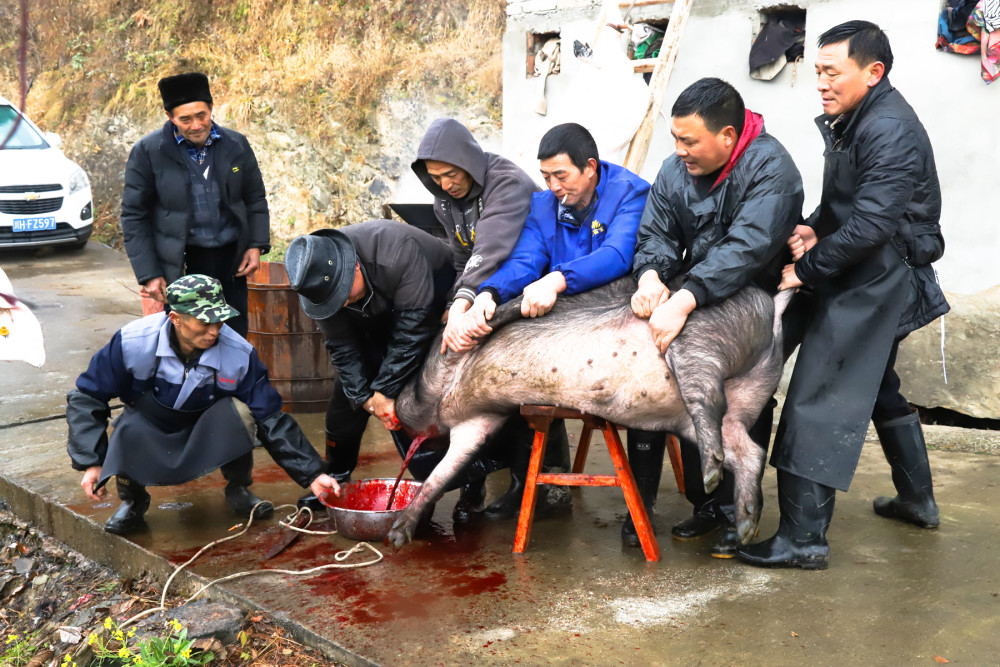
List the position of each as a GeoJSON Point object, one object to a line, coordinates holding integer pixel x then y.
{"type": "Point", "coordinates": [399, 535]}
{"type": "Point", "coordinates": [711, 481]}
{"type": "Point", "coordinates": [746, 530]}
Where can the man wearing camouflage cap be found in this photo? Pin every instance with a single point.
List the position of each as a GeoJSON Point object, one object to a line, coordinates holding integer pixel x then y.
{"type": "Point", "coordinates": [195, 394]}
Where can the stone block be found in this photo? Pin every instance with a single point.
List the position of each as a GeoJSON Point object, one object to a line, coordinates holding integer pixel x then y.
{"type": "Point", "coordinates": [971, 355]}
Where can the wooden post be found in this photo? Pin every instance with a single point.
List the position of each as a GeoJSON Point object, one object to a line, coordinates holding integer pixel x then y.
{"type": "Point", "coordinates": [639, 146]}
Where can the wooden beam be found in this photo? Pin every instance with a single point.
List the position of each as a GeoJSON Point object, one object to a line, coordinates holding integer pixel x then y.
{"type": "Point", "coordinates": [639, 146]}
{"type": "Point", "coordinates": [644, 65]}
{"type": "Point", "coordinates": [644, 3]}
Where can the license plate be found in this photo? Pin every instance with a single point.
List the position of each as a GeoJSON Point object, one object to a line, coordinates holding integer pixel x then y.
{"type": "Point", "coordinates": [34, 224]}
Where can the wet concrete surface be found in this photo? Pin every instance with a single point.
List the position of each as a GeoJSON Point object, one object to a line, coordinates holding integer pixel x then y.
{"type": "Point", "coordinates": [894, 594]}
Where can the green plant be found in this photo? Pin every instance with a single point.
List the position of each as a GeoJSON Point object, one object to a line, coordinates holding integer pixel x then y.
{"type": "Point", "coordinates": [172, 650]}
{"type": "Point", "coordinates": [17, 650]}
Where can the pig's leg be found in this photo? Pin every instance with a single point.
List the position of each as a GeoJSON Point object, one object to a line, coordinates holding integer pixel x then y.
{"type": "Point", "coordinates": [467, 439]}
{"type": "Point", "coordinates": [700, 380]}
{"type": "Point", "coordinates": [747, 397]}
{"type": "Point", "coordinates": [745, 461]}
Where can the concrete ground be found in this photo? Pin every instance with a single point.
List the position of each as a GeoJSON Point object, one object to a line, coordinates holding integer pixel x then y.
{"type": "Point", "coordinates": [894, 594]}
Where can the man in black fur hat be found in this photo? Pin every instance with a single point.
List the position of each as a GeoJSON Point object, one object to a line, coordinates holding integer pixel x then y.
{"type": "Point", "coordinates": [194, 199]}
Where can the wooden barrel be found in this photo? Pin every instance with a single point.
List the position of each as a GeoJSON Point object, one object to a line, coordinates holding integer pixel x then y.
{"type": "Point", "coordinates": [288, 341]}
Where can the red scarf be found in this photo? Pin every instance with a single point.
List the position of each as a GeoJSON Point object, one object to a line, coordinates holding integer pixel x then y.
{"type": "Point", "coordinates": [753, 125]}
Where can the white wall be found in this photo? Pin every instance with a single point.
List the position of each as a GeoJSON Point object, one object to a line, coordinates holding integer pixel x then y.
{"type": "Point", "coordinates": [961, 113]}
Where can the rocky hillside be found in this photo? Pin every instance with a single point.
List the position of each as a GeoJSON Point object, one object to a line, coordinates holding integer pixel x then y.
{"type": "Point", "coordinates": [333, 94]}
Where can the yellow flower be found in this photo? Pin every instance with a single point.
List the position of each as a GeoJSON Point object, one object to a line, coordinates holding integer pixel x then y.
{"type": "Point", "coordinates": [11, 639]}
{"type": "Point", "coordinates": [123, 652]}
{"type": "Point", "coordinates": [186, 653]}
{"type": "Point", "coordinates": [119, 635]}
{"type": "Point", "coordinates": [131, 633]}
{"type": "Point", "coordinates": [107, 623]}
{"type": "Point", "coordinates": [91, 638]}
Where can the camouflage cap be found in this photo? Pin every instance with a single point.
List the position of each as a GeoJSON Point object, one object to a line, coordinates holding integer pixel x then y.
{"type": "Point", "coordinates": [201, 297]}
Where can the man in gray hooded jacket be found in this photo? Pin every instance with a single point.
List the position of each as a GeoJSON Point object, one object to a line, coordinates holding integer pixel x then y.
{"type": "Point", "coordinates": [481, 199]}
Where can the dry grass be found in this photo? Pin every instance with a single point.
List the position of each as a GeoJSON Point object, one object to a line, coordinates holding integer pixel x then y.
{"type": "Point", "coordinates": [317, 70]}
{"type": "Point", "coordinates": [322, 65]}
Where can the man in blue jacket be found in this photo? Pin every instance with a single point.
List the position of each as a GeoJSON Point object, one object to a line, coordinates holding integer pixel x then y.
{"type": "Point", "coordinates": [580, 234]}
{"type": "Point", "coordinates": [195, 393]}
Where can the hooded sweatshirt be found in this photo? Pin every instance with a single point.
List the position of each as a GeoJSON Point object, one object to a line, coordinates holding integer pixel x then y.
{"type": "Point", "coordinates": [484, 225]}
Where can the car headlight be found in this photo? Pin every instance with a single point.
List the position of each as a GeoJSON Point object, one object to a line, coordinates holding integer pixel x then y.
{"type": "Point", "coordinates": [78, 181]}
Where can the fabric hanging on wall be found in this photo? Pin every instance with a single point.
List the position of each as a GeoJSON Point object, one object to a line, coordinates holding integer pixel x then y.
{"type": "Point", "coordinates": [953, 35]}
{"type": "Point", "coordinates": [984, 25]}
{"type": "Point", "coordinates": [780, 41]}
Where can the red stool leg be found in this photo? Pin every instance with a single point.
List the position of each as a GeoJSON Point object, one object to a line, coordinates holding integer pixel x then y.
{"type": "Point", "coordinates": [527, 515]}
{"type": "Point", "coordinates": [583, 448]}
{"type": "Point", "coordinates": [643, 528]}
{"type": "Point", "coordinates": [674, 450]}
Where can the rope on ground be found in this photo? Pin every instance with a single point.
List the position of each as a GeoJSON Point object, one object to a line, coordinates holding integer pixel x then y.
{"type": "Point", "coordinates": [340, 556]}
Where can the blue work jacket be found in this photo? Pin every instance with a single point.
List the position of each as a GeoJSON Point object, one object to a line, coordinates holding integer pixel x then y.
{"type": "Point", "coordinates": [589, 255]}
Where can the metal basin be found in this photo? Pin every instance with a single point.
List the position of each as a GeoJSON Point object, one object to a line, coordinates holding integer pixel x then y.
{"type": "Point", "coordinates": [360, 514]}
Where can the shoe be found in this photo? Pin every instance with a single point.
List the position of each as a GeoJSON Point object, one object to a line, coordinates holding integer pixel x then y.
{"type": "Point", "coordinates": [645, 458]}
{"type": "Point", "coordinates": [694, 527]}
{"type": "Point", "coordinates": [242, 501]}
{"type": "Point", "coordinates": [903, 444]}
{"type": "Point", "coordinates": [806, 511]}
{"type": "Point", "coordinates": [129, 515]}
{"type": "Point", "coordinates": [727, 543]}
{"type": "Point", "coordinates": [470, 502]}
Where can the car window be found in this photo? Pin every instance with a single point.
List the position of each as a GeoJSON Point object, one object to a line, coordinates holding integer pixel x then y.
{"type": "Point", "coordinates": [24, 136]}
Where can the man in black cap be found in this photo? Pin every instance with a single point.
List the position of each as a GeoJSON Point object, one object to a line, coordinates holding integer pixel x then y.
{"type": "Point", "coordinates": [195, 393]}
{"type": "Point", "coordinates": [377, 290]}
{"type": "Point", "coordinates": [194, 199]}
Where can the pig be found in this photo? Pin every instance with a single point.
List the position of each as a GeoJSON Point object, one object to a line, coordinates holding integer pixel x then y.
{"type": "Point", "coordinates": [591, 353]}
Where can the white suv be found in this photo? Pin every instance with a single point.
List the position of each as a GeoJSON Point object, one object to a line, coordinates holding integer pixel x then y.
{"type": "Point", "coordinates": [44, 196]}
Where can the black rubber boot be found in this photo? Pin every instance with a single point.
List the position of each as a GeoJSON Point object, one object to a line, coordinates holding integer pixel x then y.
{"type": "Point", "coordinates": [903, 443]}
{"type": "Point", "coordinates": [129, 515]}
{"type": "Point", "coordinates": [806, 511]}
{"type": "Point", "coordinates": [332, 464]}
{"type": "Point", "coordinates": [645, 457]}
{"type": "Point", "coordinates": [550, 498]}
{"type": "Point", "coordinates": [705, 520]}
{"type": "Point", "coordinates": [239, 497]}
{"type": "Point", "coordinates": [470, 501]}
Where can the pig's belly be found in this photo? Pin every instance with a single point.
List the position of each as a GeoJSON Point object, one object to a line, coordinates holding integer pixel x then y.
{"type": "Point", "coordinates": [612, 370]}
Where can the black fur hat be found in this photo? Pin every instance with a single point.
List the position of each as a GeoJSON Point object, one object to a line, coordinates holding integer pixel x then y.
{"type": "Point", "coordinates": [183, 88]}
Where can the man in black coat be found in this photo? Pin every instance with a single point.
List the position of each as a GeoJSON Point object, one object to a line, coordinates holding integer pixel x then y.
{"type": "Point", "coordinates": [865, 255]}
{"type": "Point", "coordinates": [194, 200]}
{"type": "Point", "coordinates": [378, 290]}
{"type": "Point", "coordinates": [717, 219]}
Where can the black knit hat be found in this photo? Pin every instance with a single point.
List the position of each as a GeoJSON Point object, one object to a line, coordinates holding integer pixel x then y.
{"type": "Point", "coordinates": [184, 88]}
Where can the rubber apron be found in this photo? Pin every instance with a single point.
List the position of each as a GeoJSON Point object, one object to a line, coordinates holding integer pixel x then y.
{"type": "Point", "coordinates": [846, 345]}
{"type": "Point", "coordinates": [156, 445]}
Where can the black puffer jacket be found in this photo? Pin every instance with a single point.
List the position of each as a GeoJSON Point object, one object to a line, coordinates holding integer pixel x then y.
{"type": "Point", "coordinates": [729, 238]}
{"type": "Point", "coordinates": [896, 199]}
{"type": "Point", "coordinates": [379, 342]}
{"type": "Point", "coordinates": [156, 201]}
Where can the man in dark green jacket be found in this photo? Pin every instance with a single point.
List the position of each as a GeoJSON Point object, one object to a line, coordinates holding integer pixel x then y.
{"type": "Point", "coordinates": [717, 219]}
{"type": "Point", "coordinates": [865, 255]}
{"type": "Point", "coordinates": [194, 200]}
